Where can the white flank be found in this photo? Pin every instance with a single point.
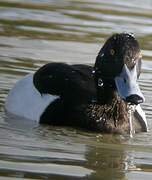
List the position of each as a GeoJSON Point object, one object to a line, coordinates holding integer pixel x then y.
{"type": "Point", "coordinates": [25, 101]}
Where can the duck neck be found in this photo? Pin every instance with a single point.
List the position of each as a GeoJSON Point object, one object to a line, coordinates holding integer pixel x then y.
{"type": "Point", "coordinates": [105, 91]}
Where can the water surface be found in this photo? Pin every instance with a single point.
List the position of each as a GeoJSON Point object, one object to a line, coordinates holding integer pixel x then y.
{"type": "Point", "coordinates": [35, 32]}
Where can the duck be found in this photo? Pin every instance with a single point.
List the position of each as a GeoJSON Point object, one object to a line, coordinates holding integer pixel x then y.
{"type": "Point", "coordinates": [104, 97]}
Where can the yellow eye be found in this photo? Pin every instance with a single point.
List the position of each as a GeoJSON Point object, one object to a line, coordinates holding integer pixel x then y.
{"type": "Point", "coordinates": [112, 52]}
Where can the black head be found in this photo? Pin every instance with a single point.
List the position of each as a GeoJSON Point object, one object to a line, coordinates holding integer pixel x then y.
{"type": "Point", "coordinates": [118, 60]}
{"type": "Point", "coordinates": [118, 50]}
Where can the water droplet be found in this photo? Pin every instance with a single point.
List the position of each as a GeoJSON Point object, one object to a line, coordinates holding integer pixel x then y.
{"type": "Point", "coordinates": [100, 82]}
{"type": "Point", "coordinates": [98, 120]}
{"type": "Point", "coordinates": [103, 119]}
{"type": "Point", "coordinates": [132, 34]}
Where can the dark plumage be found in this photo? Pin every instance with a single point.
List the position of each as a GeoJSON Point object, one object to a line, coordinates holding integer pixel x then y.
{"type": "Point", "coordinates": [90, 96]}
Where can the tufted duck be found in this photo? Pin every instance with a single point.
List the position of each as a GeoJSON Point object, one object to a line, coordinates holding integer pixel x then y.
{"type": "Point", "coordinates": [96, 98]}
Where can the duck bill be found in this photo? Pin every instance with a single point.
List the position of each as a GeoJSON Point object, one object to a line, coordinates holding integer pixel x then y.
{"type": "Point", "coordinates": [127, 86]}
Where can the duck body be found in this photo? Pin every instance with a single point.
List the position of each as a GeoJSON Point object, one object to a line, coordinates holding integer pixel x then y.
{"type": "Point", "coordinates": [80, 109]}
{"type": "Point", "coordinates": [69, 86]}
{"type": "Point", "coordinates": [91, 97]}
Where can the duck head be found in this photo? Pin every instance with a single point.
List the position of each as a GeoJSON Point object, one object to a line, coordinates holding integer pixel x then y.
{"type": "Point", "coordinates": [117, 69]}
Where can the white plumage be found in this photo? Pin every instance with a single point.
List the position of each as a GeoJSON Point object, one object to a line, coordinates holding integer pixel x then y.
{"type": "Point", "coordinates": [25, 101]}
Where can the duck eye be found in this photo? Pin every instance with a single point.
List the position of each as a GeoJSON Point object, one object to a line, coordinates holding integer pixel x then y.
{"type": "Point", "coordinates": [112, 52]}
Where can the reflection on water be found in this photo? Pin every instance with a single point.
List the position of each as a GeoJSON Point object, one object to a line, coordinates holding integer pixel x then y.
{"type": "Point", "coordinates": [33, 33]}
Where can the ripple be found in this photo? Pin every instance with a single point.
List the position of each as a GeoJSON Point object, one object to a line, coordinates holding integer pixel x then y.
{"type": "Point", "coordinates": [56, 169]}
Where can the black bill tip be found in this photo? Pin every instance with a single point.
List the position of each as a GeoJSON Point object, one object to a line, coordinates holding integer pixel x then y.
{"type": "Point", "coordinates": [134, 99]}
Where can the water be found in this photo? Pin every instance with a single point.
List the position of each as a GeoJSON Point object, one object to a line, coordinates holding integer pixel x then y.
{"type": "Point", "coordinates": [35, 32]}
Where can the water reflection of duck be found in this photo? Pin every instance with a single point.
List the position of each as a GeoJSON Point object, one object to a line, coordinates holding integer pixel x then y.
{"type": "Point", "coordinates": [95, 98]}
